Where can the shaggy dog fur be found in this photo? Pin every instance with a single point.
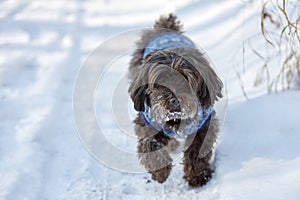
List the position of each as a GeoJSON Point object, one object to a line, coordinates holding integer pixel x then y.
{"type": "Point", "coordinates": [154, 80]}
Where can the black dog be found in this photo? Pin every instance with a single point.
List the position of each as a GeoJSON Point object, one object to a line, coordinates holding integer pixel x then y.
{"type": "Point", "coordinates": [174, 89]}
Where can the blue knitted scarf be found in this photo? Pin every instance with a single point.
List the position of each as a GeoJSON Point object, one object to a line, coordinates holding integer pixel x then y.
{"type": "Point", "coordinates": [204, 117]}
{"type": "Point", "coordinates": [167, 40]}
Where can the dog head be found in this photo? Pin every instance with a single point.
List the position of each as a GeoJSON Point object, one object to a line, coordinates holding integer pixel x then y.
{"type": "Point", "coordinates": [172, 84]}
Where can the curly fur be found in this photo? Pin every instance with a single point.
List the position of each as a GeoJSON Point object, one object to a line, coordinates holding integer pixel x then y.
{"type": "Point", "coordinates": [162, 80]}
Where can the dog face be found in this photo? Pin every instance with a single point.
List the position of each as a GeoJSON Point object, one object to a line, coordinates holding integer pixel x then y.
{"type": "Point", "coordinates": [168, 108]}
{"type": "Point", "coordinates": [173, 83]}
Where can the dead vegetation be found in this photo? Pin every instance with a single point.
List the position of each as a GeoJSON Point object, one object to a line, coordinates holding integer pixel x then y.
{"type": "Point", "coordinates": [279, 59]}
{"type": "Point", "coordinates": [284, 37]}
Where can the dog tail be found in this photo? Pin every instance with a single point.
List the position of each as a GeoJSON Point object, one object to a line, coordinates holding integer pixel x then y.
{"type": "Point", "coordinates": [169, 22]}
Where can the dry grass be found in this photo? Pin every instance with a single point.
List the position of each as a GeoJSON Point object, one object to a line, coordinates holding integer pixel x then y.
{"type": "Point", "coordinates": [278, 61]}
{"type": "Point", "coordinates": [283, 35]}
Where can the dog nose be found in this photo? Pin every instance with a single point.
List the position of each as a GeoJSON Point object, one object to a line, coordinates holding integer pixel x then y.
{"type": "Point", "coordinates": [174, 102]}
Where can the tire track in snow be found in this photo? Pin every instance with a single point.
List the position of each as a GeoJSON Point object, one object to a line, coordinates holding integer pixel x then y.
{"type": "Point", "coordinates": [63, 151]}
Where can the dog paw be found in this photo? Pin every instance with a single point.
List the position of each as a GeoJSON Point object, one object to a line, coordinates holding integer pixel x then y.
{"type": "Point", "coordinates": [161, 175]}
{"type": "Point", "coordinates": [155, 146]}
{"type": "Point", "coordinates": [201, 179]}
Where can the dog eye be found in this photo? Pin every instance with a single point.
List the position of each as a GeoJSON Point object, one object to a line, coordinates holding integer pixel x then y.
{"type": "Point", "coordinates": [169, 96]}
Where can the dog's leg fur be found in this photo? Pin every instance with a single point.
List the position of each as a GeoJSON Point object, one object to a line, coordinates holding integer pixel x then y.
{"type": "Point", "coordinates": [152, 149]}
{"type": "Point", "coordinates": [197, 168]}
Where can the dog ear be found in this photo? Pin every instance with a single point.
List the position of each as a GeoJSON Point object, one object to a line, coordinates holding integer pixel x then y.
{"type": "Point", "coordinates": [138, 96]}
{"type": "Point", "coordinates": [202, 77]}
{"type": "Point", "coordinates": [210, 86]}
{"type": "Point", "coordinates": [138, 90]}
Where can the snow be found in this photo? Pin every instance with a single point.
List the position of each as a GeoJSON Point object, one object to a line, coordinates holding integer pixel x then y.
{"type": "Point", "coordinates": [42, 47]}
{"type": "Point", "coordinates": [259, 152]}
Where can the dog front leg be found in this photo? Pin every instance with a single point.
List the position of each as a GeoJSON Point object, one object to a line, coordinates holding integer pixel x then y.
{"type": "Point", "coordinates": [154, 156]}
{"type": "Point", "coordinates": [197, 168]}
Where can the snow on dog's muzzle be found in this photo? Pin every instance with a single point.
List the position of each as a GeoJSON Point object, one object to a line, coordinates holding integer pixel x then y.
{"type": "Point", "coordinates": [177, 124]}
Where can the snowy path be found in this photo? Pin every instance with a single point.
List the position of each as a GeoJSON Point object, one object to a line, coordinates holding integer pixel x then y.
{"type": "Point", "coordinates": [42, 45]}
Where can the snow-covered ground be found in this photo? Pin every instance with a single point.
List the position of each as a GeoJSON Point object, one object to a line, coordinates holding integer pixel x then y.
{"type": "Point", "coordinates": [42, 47]}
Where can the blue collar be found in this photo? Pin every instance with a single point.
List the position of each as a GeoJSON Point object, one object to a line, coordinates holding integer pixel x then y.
{"type": "Point", "coordinates": [166, 40]}
{"type": "Point", "coordinates": [204, 116]}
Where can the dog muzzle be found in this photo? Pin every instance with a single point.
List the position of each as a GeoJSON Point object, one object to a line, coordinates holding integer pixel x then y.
{"type": "Point", "coordinates": [186, 127]}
